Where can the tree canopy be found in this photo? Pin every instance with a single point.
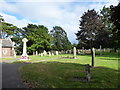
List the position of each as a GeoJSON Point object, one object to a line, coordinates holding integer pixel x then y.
{"type": "Point", "coordinates": [38, 37]}
{"type": "Point", "coordinates": [60, 41]}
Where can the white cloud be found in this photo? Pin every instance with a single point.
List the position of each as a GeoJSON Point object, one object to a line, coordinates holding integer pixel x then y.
{"type": "Point", "coordinates": [15, 21]}
{"type": "Point", "coordinates": [52, 13]}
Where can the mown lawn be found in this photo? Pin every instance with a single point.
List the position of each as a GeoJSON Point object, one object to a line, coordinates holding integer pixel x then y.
{"type": "Point", "coordinates": [7, 59]}
{"type": "Point", "coordinates": [64, 72]}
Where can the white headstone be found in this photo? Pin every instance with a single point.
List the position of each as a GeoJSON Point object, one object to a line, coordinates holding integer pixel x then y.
{"type": "Point", "coordinates": [36, 53]}
{"type": "Point", "coordinates": [49, 53]}
{"type": "Point", "coordinates": [93, 52]}
{"type": "Point", "coordinates": [45, 53]}
{"type": "Point", "coordinates": [52, 54]}
{"type": "Point", "coordinates": [24, 55]}
{"type": "Point", "coordinates": [74, 52]}
{"type": "Point", "coordinates": [56, 52]}
{"type": "Point", "coordinates": [41, 54]}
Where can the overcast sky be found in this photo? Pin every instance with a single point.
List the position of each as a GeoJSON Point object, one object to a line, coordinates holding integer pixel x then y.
{"type": "Point", "coordinates": [50, 13]}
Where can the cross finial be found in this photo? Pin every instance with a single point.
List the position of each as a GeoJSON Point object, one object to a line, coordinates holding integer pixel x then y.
{"type": "Point", "coordinates": [24, 40]}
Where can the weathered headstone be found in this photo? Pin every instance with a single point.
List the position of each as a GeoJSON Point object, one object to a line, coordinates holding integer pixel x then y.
{"type": "Point", "coordinates": [45, 53]}
{"type": "Point", "coordinates": [56, 52]}
{"type": "Point", "coordinates": [93, 52]}
{"type": "Point", "coordinates": [88, 75]}
{"type": "Point", "coordinates": [49, 53]}
{"type": "Point", "coordinates": [41, 54]}
{"type": "Point", "coordinates": [74, 53]}
{"type": "Point", "coordinates": [24, 55]}
{"type": "Point", "coordinates": [93, 56]}
{"type": "Point", "coordinates": [33, 53]}
{"type": "Point", "coordinates": [36, 53]}
{"type": "Point", "coordinates": [100, 50]}
{"type": "Point", "coordinates": [52, 54]}
{"type": "Point", "coordinates": [83, 51]}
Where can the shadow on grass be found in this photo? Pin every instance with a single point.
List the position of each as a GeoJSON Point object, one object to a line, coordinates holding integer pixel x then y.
{"type": "Point", "coordinates": [60, 75]}
{"type": "Point", "coordinates": [108, 59]}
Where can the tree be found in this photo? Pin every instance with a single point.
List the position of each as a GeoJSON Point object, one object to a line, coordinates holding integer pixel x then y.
{"type": "Point", "coordinates": [60, 41]}
{"type": "Point", "coordinates": [90, 26]}
{"type": "Point", "coordinates": [38, 38]}
{"type": "Point", "coordinates": [115, 13]}
{"type": "Point", "coordinates": [111, 31]}
{"type": "Point", "coordinates": [6, 29]}
{"type": "Point", "coordinates": [1, 20]}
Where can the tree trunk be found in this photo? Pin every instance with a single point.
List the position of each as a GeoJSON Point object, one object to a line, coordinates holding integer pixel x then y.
{"type": "Point", "coordinates": [92, 54]}
{"type": "Point", "coordinates": [115, 49]}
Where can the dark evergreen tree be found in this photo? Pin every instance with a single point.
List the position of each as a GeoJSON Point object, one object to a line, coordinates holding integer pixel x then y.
{"type": "Point", "coordinates": [90, 26]}
{"type": "Point", "coordinates": [60, 41]}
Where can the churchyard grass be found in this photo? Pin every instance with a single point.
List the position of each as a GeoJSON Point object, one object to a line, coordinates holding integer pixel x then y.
{"type": "Point", "coordinates": [60, 72]}
{"type": "Point", "coordinates": [6, 59]}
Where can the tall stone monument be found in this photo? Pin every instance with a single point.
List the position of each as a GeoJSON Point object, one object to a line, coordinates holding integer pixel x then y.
{"type": "Point", "coordinates": [74, 53]}
{"type": "Point", "coordinates": [24, 55]}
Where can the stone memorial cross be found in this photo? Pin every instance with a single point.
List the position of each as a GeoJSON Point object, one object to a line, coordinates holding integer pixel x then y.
{"type": "Point", "coordinates": [24, 55]}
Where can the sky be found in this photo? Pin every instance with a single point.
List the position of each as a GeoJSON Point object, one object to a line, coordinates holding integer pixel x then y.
{"type": "Point", "coordinates": [50, 13]}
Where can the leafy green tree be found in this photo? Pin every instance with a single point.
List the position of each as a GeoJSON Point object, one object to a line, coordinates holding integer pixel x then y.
{"type": "Point", "coordinates": [6, 29]}
{"type": "Point", "coordinates": [90, 26]}
{"type": "Point", "coordinates": [38, 38]}
{"type": "Point", "coordinates": [115, 18]}
{"type": "Point", "coordinates": [60, 41]}
{"type": "Point", "coordinates": [111, 30]}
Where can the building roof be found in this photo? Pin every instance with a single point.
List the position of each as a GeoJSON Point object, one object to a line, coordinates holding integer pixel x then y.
{"type": "Point", "coordinates": [6, 43]}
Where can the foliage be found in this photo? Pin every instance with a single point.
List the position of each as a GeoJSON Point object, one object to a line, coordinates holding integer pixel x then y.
{"type": "Point", "coordinates": [60, 41]}
{"type": "Point", "coordinates": [7, 29]}
{"type": "Point", "coordinates": [115, 13]}
{"type": "Point", "coordinates": [107, 14]}
{"type": "Point", "coordinates": [90, 27]}
{"type": "Point", "coordinates": [38, 37]}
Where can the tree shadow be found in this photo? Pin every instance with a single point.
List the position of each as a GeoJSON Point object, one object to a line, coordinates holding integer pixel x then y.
{"type": "Point", "coordinates": [102, 77]}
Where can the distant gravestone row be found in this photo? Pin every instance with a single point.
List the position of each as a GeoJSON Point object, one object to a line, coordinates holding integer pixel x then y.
{"type": "Point", "coordinates": [49, 53]}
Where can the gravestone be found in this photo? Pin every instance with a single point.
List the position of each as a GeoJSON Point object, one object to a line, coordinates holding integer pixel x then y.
{"type": "Point", "coordinates": [36, 53]}
{"type": "Point", "coordinates": [88, 75]}
{"type": "Point", "coordinates": [49, 53]}
{"type": "Point", "coordinates": [41, 54]}
{"type": "Point", "coordinates": [24, 55]}
{"type": "Point", "coordinates": [56, 53]}
{"type": "Point", "coordinates": [52, 54]}
{"type": "Point", "coordinates": [45, 53]}
{"type": "Point", "coordinates": [74, 53]}
{"type": "Point", "coordinates": [83, 51]}
{"type": "Point", "coordinates": [100, 50]}
{"type": "Point", "coordinates": [33, 53]}
{"type": "Point", "coordinates": [93, 52]}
